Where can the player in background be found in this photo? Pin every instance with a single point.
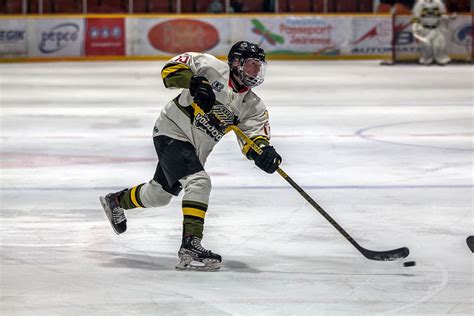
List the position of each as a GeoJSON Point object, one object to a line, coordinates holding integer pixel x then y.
{"type": "Point", "coordinates": [428, 19]}
{"type": "Point", "coordinates": [186, 132]}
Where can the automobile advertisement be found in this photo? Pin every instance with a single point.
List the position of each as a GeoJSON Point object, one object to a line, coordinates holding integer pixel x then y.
{"type": "Point", "coordinates": [372, 37]}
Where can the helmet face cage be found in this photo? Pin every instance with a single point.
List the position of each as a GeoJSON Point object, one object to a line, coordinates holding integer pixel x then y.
{"type": "Point", "coordinates": [247, 61]}
{"type": "Point", "coordinates": [251, 71]}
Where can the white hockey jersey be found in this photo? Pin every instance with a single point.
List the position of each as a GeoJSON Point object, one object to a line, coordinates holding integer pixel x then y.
{"type": "Point", "coordinates": [428, 12]}
{"type": "Point", "coordinates": [180, 118]}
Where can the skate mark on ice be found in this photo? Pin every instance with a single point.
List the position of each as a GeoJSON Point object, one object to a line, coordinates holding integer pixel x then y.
{"type": "Point", "coordinates": [432, 293]}
{"type": "Point", "coordinates": [362, 134]}
{"type": "Point", "coordinates": [36, 160]}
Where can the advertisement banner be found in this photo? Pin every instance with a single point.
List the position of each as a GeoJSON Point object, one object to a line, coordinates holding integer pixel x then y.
{"type": "Point", "coordinates": [13, 38]}
{"type": "Point", "coordinates": [155, 36]}
{"type": "Point", "coordinates": [105, 37]}
{"type": "Point", "coordinates": [406, 46]}
{"type": "Point", "coordinates": [318, 36]}
{"type": "Point", "coordinates": [56, 37]}
{"type": "Point", "coordinates": [459, 39]}
{"type": "Point", "coordinates": [302, 36]}
{"type": "Point", "coordinates": [371, 36]}
{"type": "Point", "coordinates": [299, 36]}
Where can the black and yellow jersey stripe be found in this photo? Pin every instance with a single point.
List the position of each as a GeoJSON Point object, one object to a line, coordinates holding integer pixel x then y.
{"type": "Point", "coordinates": [176, 75]}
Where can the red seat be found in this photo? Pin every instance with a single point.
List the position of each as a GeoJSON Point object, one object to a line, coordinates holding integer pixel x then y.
{"type": "Point", "coordinates": [282, 6]}
{"type": "Point", "coordinates": [140, 6]}
{"type": "Point", "coordinates": [300, 6]}
{"type": "Point", "coordinates": [62, 6]}
{"type": "Point", "coordinates": [13, 6]}
{"type": "Point", "coordinates": [402, 9]}
{"type": "Point", "coordinates": [366, 6]}
{"type": "Point", "coordinates": [203, 5]}
{"type": "Point", "coordinates": [458, 5]}
{"type": "Point", "coordinates": [253, 5]}
{"type": "Point", "coordinates": [159, 6]}
{"type": "Point", "coordinates": [104, 6]}
{"type": "Point", "coordinates": [384, 8]}
{"type": "Point", "coordinates": [346, 6]}
{"type": "Point", "coordinates": [187, 6]}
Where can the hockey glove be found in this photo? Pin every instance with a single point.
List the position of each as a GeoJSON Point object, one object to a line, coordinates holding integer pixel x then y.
{"type": "Point", "coordinates": [202, 93]}
{"type": "Point", "coordinates": [269, 160]}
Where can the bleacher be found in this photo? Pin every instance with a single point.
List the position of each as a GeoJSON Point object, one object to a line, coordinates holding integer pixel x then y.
{"type": "Point", "coordinates": [198, 6]}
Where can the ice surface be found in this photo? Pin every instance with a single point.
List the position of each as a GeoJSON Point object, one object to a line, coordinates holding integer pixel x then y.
{"type": "Point", "coordinates": [387, 151]}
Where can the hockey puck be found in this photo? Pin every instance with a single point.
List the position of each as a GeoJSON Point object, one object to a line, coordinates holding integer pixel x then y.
{"type": "Point", "coordinates": [409, 264]}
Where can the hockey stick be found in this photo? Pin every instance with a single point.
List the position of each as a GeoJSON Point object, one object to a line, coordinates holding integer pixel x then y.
{"type": "Point", "coordinates": [470, 242]}
{"type": "Point", "coordinates": [388, 255]}
{"type": "Point", "coordinates": [428, 37]}
{"type": "Point", "coordinates": [423, 39]}
{"type": "Point", "coordinates": [227, 119]}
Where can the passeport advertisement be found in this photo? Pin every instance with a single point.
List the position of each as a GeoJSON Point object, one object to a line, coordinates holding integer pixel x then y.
{"type": "Point", "coordinates": [56, 37]}
{"type": "Point", "coordinates": [13, 38]}
{"type": "Point", "coordinates": [302, 36]}
{"type": "Point", "coordinates": [164, 36]}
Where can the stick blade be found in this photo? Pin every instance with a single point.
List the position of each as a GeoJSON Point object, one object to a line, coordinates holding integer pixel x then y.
{"type": "Point", "coordinates": [388, 255]}
{"type": "Point", "coordinates": [470, 242]}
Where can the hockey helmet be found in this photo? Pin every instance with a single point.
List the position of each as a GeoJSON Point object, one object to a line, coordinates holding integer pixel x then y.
{"type": "Point", "coordinates": [247, 62]}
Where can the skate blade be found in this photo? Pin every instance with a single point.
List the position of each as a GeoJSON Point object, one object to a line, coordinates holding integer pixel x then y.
{"type": "Point", "coordinates": [207, 265]}
{"type": "Point", "coordinates": [108, 213]}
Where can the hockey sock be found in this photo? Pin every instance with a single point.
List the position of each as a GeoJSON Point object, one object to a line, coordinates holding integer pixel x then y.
{"type": "Point", "coordinates": [131, 198]}
{"type": "Point", "coordinates": [194, 214]}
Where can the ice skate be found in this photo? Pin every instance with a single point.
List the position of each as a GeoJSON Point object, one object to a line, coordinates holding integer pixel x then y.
{"type": "Point", "coordinates": [192, 256]}
{"type": "Point", "coordinates": [443, 61]}
{"type": "Point", "coordinates": [114, 212]}
{"type": "Point", "coordinates": [426, 61]}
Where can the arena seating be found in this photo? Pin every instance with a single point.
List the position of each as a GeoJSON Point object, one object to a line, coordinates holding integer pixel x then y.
{"type": "Point", "coordinates": [201, 6]}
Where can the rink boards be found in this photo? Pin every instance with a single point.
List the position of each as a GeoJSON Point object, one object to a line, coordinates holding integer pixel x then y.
{"type": "Point", "coordinates": [293, 36]}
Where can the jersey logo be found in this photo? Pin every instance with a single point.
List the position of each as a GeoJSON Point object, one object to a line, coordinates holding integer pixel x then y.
{"type": "Point", "coordinates": [216, 85]}
{"type": "Point", "coordinates": [203, 123]}
{"type": "Point", "coordinates": [183, 59]}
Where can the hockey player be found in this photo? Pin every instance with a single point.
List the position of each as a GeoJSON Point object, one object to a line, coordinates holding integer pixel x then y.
{"type": "Point", "coordinates": [428, 16]}
{"type": "Point", "coordinates": [186, 132]}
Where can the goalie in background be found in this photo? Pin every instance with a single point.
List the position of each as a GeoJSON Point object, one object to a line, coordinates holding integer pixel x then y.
{"type": "Point", "coordinates": [186, 132]}
{"type": "Point", "coordinates": [429, 17]}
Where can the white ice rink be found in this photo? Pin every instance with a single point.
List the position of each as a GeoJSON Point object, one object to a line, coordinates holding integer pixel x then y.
{"type": "Point", "coordinates": [387, 151]}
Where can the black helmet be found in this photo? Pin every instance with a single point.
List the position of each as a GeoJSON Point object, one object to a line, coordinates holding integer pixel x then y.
{"type": "Point", "coordinates": [244, 49]}
{"type": "Point", "coordinates": [247, 62]}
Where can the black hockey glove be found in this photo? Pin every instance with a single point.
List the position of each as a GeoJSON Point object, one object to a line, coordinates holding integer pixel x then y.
{"type": "Point", "coordinates": [269, 160]}
{"type": "Point", "coordinates": [202, 93]}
